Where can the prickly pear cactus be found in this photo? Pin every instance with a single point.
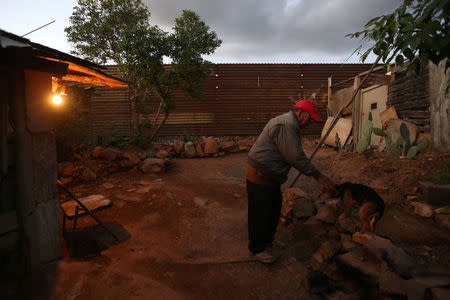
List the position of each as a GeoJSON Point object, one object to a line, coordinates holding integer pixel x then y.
{"type": "Point", "coordinates": [367, 129]}
{"type": "Point", "coordinates": [422, 144]}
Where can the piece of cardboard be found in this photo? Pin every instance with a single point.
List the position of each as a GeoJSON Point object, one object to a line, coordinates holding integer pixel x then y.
{"type": "Point", "coordinates": [343, 127]}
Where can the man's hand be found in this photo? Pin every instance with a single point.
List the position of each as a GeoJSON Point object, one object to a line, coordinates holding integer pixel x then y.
{"type": "Point", "coordinates": [327, 185]}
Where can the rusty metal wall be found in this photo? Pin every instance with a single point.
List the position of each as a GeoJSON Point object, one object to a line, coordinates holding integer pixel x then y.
{"type": "Point", "coordinates": [240, 99]}
{"type": "Point", "coordinates": [111, 108]}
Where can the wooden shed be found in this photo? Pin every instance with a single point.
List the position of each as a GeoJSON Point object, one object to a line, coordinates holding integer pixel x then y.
{"type": "Point", "coordinates": [29, 207]}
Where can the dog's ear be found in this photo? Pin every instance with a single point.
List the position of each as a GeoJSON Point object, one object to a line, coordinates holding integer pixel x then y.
{"type": "Point", "coordinates": [373, 221]}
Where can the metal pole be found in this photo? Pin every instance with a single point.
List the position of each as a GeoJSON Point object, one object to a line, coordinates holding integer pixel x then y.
{"type": "Point", "coordinates": [337, 116]}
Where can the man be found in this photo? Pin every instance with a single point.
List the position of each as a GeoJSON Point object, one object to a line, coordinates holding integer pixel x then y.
{"type": "Point", "coordinates": [277, 149]}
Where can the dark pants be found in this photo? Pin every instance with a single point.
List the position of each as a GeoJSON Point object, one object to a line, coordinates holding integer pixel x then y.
{"type": "Point", "coordinates": [264, 208]}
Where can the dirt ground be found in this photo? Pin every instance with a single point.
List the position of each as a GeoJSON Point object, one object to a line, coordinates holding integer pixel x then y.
{"type": "Point", "coordinates": [184, 225]}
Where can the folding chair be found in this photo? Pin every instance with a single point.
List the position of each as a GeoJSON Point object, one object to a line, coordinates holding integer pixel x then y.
{"type": "Point", "coordinates": [73, 210]}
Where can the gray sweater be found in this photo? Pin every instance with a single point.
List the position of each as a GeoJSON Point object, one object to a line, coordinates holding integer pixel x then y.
{"type": "Point", "coordinates": [278, 147]}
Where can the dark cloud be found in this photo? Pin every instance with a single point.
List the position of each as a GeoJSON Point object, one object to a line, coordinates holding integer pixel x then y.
{"type": "Point", "coordinates": [277, 30]}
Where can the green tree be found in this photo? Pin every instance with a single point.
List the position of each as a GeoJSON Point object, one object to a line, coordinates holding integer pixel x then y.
{"type": "Point", "coordinates": [120, 31]}
{"type": "Point", "coordinates": [417, 31]}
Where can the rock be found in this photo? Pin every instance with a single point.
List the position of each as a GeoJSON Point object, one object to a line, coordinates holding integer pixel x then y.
{"type": "Point", "coordinates": [245, 144]}
{"type": "Point", "coordinates": [110, 154]}
{"type": "Point", "coordinates": [119, 203]}
{"type": "Point", "coordinates": [293, 193]}
{"type": "Point", "coordinates": [211, 146]}
{"type": "Point", "coordinates": [96, 151]}
{"type": "Point", "coordinates": [411, 198]}
{"type": "Point", "coordinates": [440, 293]}
{"type": "Point", "coordinates": [299, 271]}
{"type": "Point", "coordinates": [423, 209]}
{"type": "Point", "coordinates": [392, 284]}
{"type": "Point", "coordinates": [162, 146]}
{"type": "Point", "coordinates": [296, 205]}
{"type": "Point", "coordinates": [151, 153]}
{"type": "Point", "coordinates": [327, 250]}
{"type": "Point", "coordinates": [131, 160]}
{"type": "Point", "coordinates": [411, 190]}
{"type": "Point", "coordinates": [346, 242]}
{"type": "Point", "coordinates": [229, 146]}
{"type": "Point", "coordinates": [107, 185]}
{"type": "Point", "coordinates": [65, 180]}
{"type": "Point", "coordinates": [397, 259]}
{"type": "Point", "coordinates": [88, 175]}
{"type": "Point", "coordinates": [443, 220]}
{"type": "Point", "coordinates": [153, 165]}
{"type": "Point", "coordinates": [354, 260]}
{"type": "Point", "coordinates": [303, 207]}
{"type": "Point", "coordinates": [340, 295]}
{"type": "Point", "coordinates": [443, 210]}
{"type": "Point", "coordinates": [199, 149]}
{"type": "Point", "coordinates": [200, 201]}
{"type": "Point", "coordinates": [189, 149]}
{"type": "Point", "coordinates": [163, 154]}
{"type": "Point", "coordinates": [327, 214]}
{"type": "Point", "coordinates": [66, 169]}
{"type": "Point", "coordinates": [221, 153]}
{"type": "Point", "coordinates": [143, 190]}
{"type": "Point", "coordinates": [178, 146]}
{"type": "Point", "coordinates": [361, 238]}
{"type": "Point", "coordinates": [347, 225]}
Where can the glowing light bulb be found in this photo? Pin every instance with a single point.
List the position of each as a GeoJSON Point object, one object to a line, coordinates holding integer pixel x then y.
{"type": "Point", "coordinates": [57, 99]}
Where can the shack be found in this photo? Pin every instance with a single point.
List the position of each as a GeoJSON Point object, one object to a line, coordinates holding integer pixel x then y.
{"type": "Point", "coordinates": [30, 75]}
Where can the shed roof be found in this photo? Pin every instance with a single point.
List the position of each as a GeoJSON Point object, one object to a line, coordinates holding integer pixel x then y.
{"type": "Point", "coordinates": [77, 69]}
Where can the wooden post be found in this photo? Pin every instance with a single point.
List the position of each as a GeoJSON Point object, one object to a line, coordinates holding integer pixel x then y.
{"type": "Point", "coordinates": [330, 91]}
{"type": "Point", "coordinates": [24, 173]}
{"type": "Point", "coordinates": [356, 111]}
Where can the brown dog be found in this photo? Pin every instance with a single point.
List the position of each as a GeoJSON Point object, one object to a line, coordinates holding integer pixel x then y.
{"type": "Point", "coordinates": [370, 204]}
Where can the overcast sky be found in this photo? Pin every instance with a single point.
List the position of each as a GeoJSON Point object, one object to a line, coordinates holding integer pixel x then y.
{"type": "Point", "coordinates": [252, 31]}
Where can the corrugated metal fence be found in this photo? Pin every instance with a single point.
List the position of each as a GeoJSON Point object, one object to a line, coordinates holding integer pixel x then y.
{"type": "Point", "coordinates": [240, 99]}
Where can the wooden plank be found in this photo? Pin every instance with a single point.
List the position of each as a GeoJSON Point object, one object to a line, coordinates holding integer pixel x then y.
{"type": "Point", "coordinates": [93, 203]}
{"type": "Point", "coordinates": [343, 128]}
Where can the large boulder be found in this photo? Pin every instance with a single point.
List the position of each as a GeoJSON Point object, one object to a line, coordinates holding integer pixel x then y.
{"type": "Point", "coordinates": [443, 220]}
{"type": "Point", "coordinates": [397, 259]}
{"type": "Point", "coordinates": [131, 159]}
{"type": "Point", "coordinates": [296, 205]}
{"type": "Point", "coordinates": [162, 146]}
{"type": "Point", "coordinates": [229, 146]}
{"type": "Point", "coordinates": [327, 214]}
{"type": "Point", "coordinates": [211, 146]}
{"type": "Point", "coordinates": [88, 175]}
{"type": "Point", "coordinates": [423, 209]}
{"type": "Point", "coordinates": [110, 154]}
{"type": "Point", "coordinates": [199, 149]}
{"type": "Point", "coordinates": [189, 150]}
{"type": "Point", "coordinates": [96, 151]}
{"type": "Point", "coordinates": [153, 165]}
{"type": "Point", "coordinates": [66, 169]}
{"type": "Point", "coordinates": [163, 154]}
{"type": "Point", "coordinates": [178, 146]}
{"type": "Point", "coordinates": [246, 144]}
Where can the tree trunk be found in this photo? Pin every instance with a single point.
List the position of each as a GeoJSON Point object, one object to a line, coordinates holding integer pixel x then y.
{"type": "Point", "coordinates": [155, 132]}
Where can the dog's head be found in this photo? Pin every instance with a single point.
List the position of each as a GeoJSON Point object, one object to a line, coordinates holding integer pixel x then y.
{"type": "Point", "coordinates": [340, 188]}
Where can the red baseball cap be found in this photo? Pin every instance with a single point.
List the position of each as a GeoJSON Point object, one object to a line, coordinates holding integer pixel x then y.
{"type": "Point", "coordinates": [310, 107]}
